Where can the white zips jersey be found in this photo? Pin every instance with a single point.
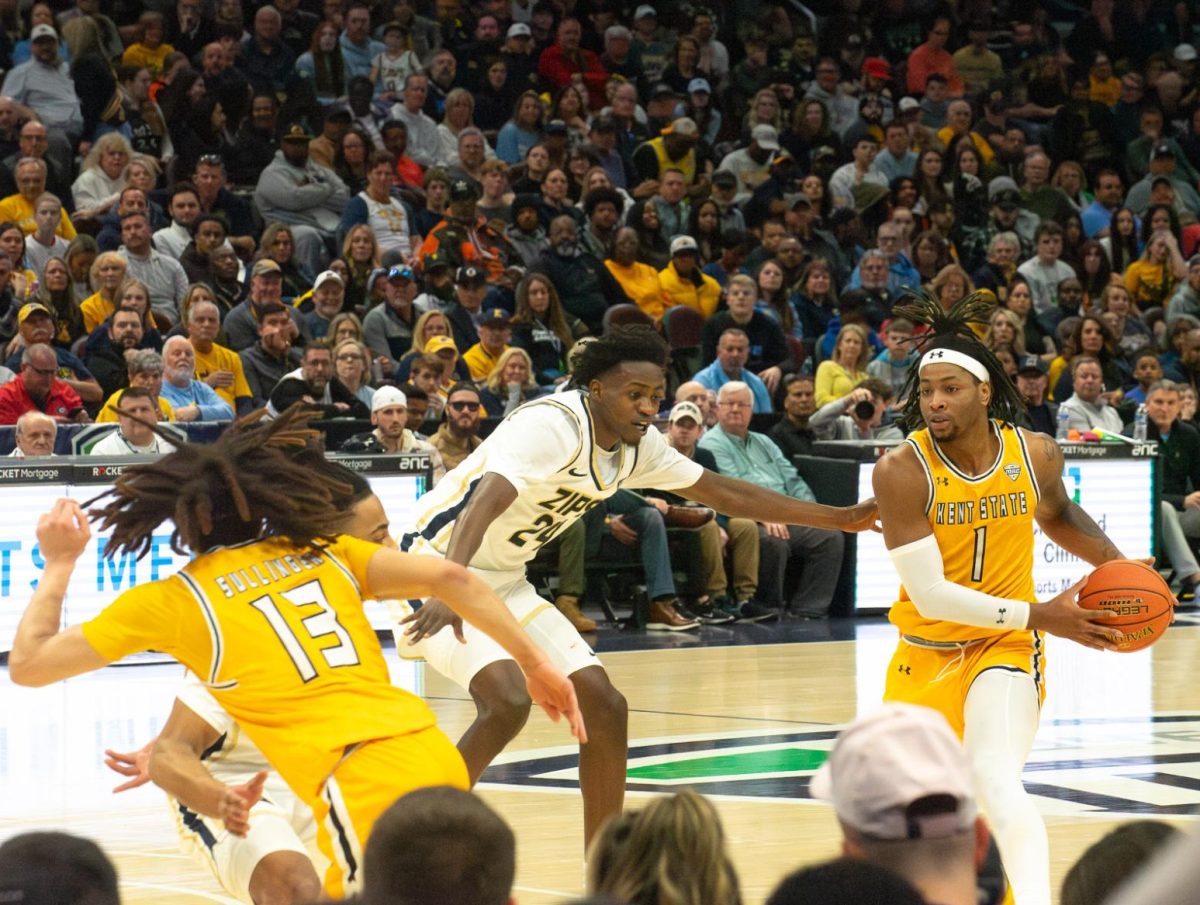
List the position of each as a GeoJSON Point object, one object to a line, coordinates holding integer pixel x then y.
{"type": "Point", "coordinates": [547, 450]}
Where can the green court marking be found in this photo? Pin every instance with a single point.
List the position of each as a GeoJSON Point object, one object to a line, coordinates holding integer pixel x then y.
{"type": "Point", "coordinates": [781, 760]}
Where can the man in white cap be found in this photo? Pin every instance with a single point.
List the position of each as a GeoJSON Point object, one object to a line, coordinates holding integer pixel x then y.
{"type": "Point", "coordinates": [752, 164]}
{"type": "Point", "coordinates": [328, 294]}
{"type": "Point", "coordinates": [43, 84]}
{"type": "Point", "coordinates": [389, 414]}
{"type": "Point", "coordinates": [648, 45]}
{"type": "Point", "coordinates": [900, 784]}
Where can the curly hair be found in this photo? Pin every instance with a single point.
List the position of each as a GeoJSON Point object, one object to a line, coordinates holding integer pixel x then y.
{"type": "Point", "coordinates": [952, 330]}
{"type": "Point", "coordinates": [244, 486]}
{"type": "Point", "coordinates": [638, 342]}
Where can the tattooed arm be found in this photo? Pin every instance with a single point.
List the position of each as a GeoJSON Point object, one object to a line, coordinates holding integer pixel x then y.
{"type": "Point", "coordinates": [1063, 520]}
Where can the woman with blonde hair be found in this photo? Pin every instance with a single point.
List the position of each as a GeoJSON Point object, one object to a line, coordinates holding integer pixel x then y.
{"type": "Point", "coordinates": [345, 325]}
{"type": "Point", "coordinates": [1151, 279]}
{"type": "Point", "coordinates": [430, 324]}
{"type": "Point", "coordinates": [460, 113]}
{"type": "Point", "coordinates": [360, 251]}
{"type": "Point", "coordinates": [1005, 329]}
{"type": "Point", "coordinates": [352, 365]}
{"type": "Point", "coordinates": [764, 110]}
{"type": "Point", "coordinates": [509, 384]}
{"type": "Point", "coordinates": [107, 273]}
{"type": "Point", "coordinates": [951, 284]}
{"type": "Point", "coordinates": [838, 375]}
{"type": "Point", "coordinates": [672, 852]}
{"type": "Point", "coordinates": [101, 177]}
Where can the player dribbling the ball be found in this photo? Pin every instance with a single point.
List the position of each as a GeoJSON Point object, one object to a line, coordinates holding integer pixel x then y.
{"type": "Point", "coordinates": [958, 501]}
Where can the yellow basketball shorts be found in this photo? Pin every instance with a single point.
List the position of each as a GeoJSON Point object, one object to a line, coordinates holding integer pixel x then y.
{"type": "Point", "coordinates": [366, 784]}
{"type": "Point", "coordinates": [940, 677]}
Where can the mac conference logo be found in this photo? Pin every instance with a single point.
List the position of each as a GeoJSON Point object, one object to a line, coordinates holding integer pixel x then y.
{"type": "Point", "coordinates": [1147, 765]}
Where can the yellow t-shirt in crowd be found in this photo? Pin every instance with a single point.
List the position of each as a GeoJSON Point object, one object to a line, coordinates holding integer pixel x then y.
{"type": "Point", "coordinates": [20, 211]}
{"type": "Point", "coordinates": [218, 358]}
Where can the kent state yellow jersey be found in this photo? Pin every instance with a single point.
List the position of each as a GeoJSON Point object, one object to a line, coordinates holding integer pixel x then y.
{"type": "Point", "coordinates": [278, 635]}
{"type": "Point", "coordinates": [983, 526]}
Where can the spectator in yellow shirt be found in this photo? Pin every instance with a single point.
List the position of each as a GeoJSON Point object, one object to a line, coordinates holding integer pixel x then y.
{"type": "Point", "coordinates": [684, 283]}
{"type": "Point", "coordinates": [219, 367]}
{"type": "Point", "coordinates": [640, 281]}
{"type": "Point", "coordinates": [20, 208]}
{"type": "Point", "coordinates": [495, 333]}
{"type": "Point", "coordinates": [150, 50]}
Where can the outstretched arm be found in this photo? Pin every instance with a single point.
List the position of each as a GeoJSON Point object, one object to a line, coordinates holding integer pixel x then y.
{"type": "Point", "coordinates": [175, 766]}
{"type": "Point", "coordinates": [391, 574]}
{"type": "Point", "coordinates": [742, 499]}
{"type": "Point", "coordinates": [42, 651]}
{"type": "Point", "coordinates": [1063, 520]}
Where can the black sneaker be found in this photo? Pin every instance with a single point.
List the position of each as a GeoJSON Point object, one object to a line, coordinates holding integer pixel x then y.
{"type": "Point", "coordinates": [749, 611]}
{"type": "Point", "coordinates": [710, 614]}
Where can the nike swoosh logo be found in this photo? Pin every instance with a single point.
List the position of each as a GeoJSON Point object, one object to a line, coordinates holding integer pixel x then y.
{"type": "Point", "coordinates": [578, 474]}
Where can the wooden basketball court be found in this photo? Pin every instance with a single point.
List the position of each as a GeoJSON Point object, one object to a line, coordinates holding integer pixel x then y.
{"type": "Point", "coordinates": [731, 711]}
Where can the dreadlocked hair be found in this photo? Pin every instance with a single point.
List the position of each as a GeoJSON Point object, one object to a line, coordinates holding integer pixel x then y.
{"type": "Point", "coordinates": [952, 330]}
{"type": "Point", "coordinates": [639, 342]}
{"type": "Point", "coordinates": [252, 482]}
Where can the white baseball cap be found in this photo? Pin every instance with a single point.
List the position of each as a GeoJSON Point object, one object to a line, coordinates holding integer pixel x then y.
{"type": "Point", "coordinates": [519, 30]}
{"type": "Point", "coordinates": [683, 243]}
{"type": "Point", "coordinates": [766, 136]}
{"type": "Point", "coordinates": [1185, 53]}
{"type": "Point", "coordinates": [885, 761]}
{"type": "Point", "coordinates": [326, 275]}
{"type": "Point", "coordinates": [908, 103]}
{"type": "Point", "coordinates": [643, 11]}
{"type": "Point", "coordinates": [386, 397]}
{"type": "Point", "coordinates": [686, 410]}
{"type": "Point", "coordinates": [43, 31]}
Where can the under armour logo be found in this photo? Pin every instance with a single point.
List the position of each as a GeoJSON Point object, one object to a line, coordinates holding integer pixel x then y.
{"type": "Point", "coordinates": [1000, 615]}
{"type": "Point", "coordinates": [945, 482]}
{"type": "Point", "coordinates": [936, 354]}
{"type": "Point", "coordinates": [907, 670]}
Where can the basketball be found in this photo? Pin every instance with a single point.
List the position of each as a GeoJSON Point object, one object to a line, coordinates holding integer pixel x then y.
{"type": "Point", "coordinates": [1138, 596]}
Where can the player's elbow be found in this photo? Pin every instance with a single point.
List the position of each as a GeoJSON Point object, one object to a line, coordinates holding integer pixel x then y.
{"type": "Point", "coordinates": [453, 584]}
{"type": "Point", "coordinates": [25, 672]}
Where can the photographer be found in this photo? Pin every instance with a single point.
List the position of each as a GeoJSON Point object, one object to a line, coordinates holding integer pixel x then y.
{"type": "Point", "coordinates": [858, 415]}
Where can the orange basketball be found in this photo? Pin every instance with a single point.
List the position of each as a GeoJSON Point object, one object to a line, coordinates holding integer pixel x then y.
{"type": "Point", "coordinates": [1141, 601]}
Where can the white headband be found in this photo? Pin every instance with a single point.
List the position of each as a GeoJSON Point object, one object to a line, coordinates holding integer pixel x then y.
{"type": "Point", "coordinates": [953, 357]}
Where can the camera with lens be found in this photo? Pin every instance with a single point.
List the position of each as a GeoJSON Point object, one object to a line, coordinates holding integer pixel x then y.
{"type": "Point", "coordinates": [864, 410]}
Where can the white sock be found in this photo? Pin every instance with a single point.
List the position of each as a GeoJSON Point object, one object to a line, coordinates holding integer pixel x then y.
{"type": "Point", "coordinates": [1001, 719]}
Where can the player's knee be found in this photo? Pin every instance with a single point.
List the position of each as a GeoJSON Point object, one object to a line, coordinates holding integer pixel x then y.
{"type": "Point", "coordinates": [604, 708]}
{"type": "Point", "coordinates": [284, 878]}
{"type": "Point", "coordinates": [506, 706]}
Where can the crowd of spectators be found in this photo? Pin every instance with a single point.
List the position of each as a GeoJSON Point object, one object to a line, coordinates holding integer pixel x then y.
{"type": "Point", "coordinates": [408, 213]}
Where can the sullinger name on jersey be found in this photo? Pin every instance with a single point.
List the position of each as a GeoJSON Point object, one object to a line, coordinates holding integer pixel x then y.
{"type": "Point", "coordinates": [264, 572]}
{"type": "Point", "coordinates": [991, 507]}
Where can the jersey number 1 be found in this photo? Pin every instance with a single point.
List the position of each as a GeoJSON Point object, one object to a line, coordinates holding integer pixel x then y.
{"type": "Point", "coordinates": [980, 546]}
{"type": "Point", "coordinates": [319, 625]}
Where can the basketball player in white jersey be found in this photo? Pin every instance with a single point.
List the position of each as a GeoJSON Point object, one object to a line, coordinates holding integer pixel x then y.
{"type": "Point", "coordinates": [543, 467]}
{"type": "Point", "coordinates": [232, 811]}
{"type": "Point", "coordinates": [958, 501]}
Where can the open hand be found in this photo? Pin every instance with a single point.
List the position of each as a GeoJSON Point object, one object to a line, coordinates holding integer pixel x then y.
{"type": "Point", "coordinates": [135, 765]}
{"type": "Point", "coordinates": [430, 619]}
{"type": "Point", "coordinates": [554, 693]}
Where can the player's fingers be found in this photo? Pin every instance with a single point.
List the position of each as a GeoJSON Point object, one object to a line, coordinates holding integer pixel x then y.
{"type": "Point", "coordinates": [458, 631]}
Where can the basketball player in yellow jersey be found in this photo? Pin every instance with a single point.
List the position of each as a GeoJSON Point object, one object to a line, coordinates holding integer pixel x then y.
{"type": "Point", "coordinates": [269, 616]}
{"type": "Point", "coordinates": [958, 501]}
